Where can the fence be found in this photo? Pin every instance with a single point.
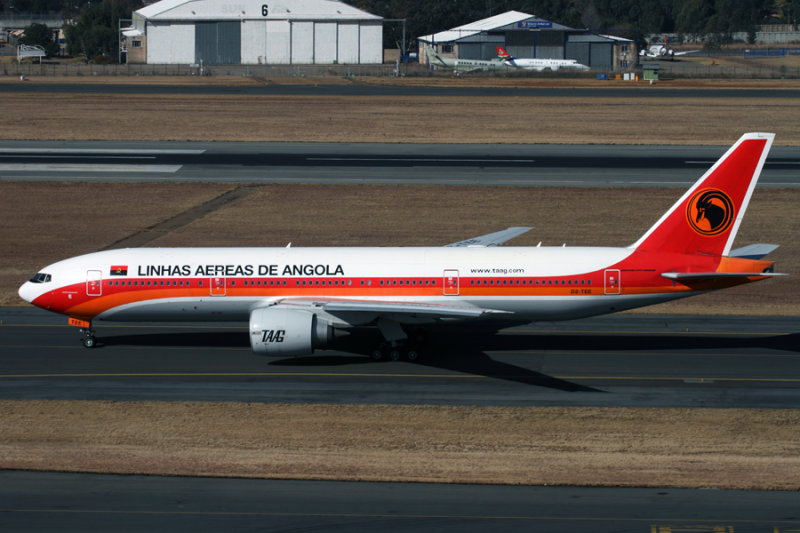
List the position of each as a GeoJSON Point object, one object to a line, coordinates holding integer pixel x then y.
{"type": "Point", "coordinates": [289, 71]}
{"type": "Point", "coordinates": [677, 69]}
{"type": "Point", "coordinates": [681, 70]}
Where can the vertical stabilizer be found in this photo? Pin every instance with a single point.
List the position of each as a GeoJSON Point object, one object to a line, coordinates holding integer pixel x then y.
{"type": "Point", "coordinates": [706, 218]}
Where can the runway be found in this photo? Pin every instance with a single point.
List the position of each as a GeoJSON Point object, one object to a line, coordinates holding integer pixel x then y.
{"type": "Point", "coordinates": [41, 501]}
{"type": "Point", "coordinates": [377, 163]}
{"type": "Point", "coordinates": [620, 360]}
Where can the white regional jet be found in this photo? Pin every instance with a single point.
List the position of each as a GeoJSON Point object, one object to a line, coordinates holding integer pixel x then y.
{"type": "Point", "coordinates": [297, 299]}
{"type": "Point", "coordinates": [464, 65]}
{"type": "Point", "coordinates": [539, 64]}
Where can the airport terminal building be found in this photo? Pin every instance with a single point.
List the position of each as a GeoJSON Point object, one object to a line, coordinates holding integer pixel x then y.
{"type": "Point", "coordinates": [307, 32]}
{"type": "Point", "coordinates": [529, 36]}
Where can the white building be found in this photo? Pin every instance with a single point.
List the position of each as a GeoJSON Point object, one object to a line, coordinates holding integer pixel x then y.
{"type": "Point", "coordinates": [254, 32]}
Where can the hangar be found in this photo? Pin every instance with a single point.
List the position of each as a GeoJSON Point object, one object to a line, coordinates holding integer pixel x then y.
{"type": "Point", "coordinates": [524, 35]}
{"type": "Point", "coordinates": [254, 32]}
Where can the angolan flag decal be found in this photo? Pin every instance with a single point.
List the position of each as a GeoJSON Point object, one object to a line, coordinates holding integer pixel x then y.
{"type": "Point", "coordinates": [119, 270]}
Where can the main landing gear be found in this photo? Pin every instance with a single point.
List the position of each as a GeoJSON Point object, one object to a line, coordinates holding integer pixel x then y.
{"type": "Point", "coordinates": [397, 345]}
{"type": "Point", "coordinates": [395, 353]}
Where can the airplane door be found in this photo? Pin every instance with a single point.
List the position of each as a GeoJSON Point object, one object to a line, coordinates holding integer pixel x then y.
{"type": "Point", "coordinates": [94, 283]}
{"type": "Point", "coordinates": [612, 281]}
{"type": "Point", "coordinates": [217, 286]}
{"type": "Point", "coordinates": [450, 285]}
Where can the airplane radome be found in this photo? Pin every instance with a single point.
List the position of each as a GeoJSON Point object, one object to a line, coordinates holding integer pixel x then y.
{"type": "Point", "coordinates": [298, 299]}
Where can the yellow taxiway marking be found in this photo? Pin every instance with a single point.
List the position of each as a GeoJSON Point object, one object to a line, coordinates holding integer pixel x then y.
{"type": "Point", "coordinates": [642, 332]}
{"type": "Point", "coordinates": [241, 374]}
{"type": "Point", "coordinates": [499, 517]}
{"type": "Point", "coordinates": [690, 379]}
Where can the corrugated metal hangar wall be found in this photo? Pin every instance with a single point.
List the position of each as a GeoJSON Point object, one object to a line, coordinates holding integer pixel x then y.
{"type": "Point", "coordinates": [252, 32]}
{"type": "Point", "coordinates": [265, 42]}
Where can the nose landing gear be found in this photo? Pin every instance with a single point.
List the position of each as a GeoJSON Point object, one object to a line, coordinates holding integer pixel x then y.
{"type": "Point", "coordinates": [87, 333]}
{"type": "Point", "coordinates": [87, 338]}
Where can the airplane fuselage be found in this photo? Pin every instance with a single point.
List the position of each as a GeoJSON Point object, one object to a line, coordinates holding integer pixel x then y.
{"type": "Point", "coordinates": [196, 284]}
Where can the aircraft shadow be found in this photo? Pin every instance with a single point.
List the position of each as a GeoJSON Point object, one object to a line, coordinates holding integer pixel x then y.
{"type": "Point", "coordinates": [460, 355]}
{"type": "Point", "coordinates": [198, 339]}
{"type": "Point", "coordinates": [467, 353]}
{"type": "Point", "coordinates": [644, 342]}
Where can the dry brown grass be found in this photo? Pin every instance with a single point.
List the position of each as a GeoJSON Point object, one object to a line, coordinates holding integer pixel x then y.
{"type": "Point", "coordinates": [396, 119]}
{"type": "Point", "coordinates": [735, 448]}
{"type": "Point", "coordinates": [46, 222]}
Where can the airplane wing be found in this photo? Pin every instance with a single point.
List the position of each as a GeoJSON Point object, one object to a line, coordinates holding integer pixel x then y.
{"type": "Point", "coordinates": [359, 312]}
{"type": "Point", "coordinates": [492, 239]}
{"type": "Point", "coordinates": [414, 309]}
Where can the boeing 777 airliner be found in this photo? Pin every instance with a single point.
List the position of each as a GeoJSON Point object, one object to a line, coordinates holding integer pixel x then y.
{"type": "Point", "coordinates": [296, 299]}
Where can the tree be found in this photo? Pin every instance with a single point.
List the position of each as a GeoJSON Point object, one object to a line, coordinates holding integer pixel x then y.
{"type": "Point", "coordinates": [95, 34]}
{"type": "Point", "coordinates": [40, 34]}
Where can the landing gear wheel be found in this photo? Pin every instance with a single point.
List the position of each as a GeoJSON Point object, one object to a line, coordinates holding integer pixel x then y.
{"type": "Point", "coordinates": [376, 354]}
{"type": "Point", "coordinates": [394, 354]}
{"type": "Point", "coordinates": [412, 354]}
{"type": "Point", "coordinates": [89, 341]}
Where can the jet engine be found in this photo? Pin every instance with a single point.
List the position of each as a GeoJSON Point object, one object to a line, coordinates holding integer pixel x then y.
{"type": "Point", "coordinates": [287, 332]}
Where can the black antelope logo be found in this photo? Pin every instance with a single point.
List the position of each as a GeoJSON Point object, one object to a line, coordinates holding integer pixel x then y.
{"type": "Point", "coordinates": [710, 212]}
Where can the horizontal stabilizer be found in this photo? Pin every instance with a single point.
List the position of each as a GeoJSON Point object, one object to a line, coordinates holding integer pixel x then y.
{"type": "Point", "coordinates": [681, 276]}
{"type": "Point", "coordinates": [754, 251]}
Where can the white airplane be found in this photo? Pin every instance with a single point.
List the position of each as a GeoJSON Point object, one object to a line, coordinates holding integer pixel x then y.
{"type": "Point", "coordinates": [298, 299]}
{"type": "Point", "coordinates": [661, 51]}
{"type": "Point", "coordinates": [538, 64]}
{"type": "Point", "coordinates": [463, 65]}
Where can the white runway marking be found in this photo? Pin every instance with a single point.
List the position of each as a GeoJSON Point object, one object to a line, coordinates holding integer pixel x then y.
{"type": "Point", "coordinates": [81, 151]}
{"type": "Point", "coordinates": [78, 167]}
{"type": "Point", "coordinates": [421, 159]}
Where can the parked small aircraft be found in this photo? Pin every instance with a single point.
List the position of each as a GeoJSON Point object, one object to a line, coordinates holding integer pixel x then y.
{"type": "Point", "coordinates": [662, 51]}
{"type": "Point", "coordinates": [464, 65]}
{"type": "Point", "coordinates": [539, 64]}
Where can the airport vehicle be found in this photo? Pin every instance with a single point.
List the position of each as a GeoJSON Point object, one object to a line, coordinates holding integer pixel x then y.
{"type": "Point", "coordinates": [538, 64]}
{"type": "Point", "coordinates": [662, 51]}
{"type": "Point", "coordinates": [297, 299]}
{"type": "Point", "coordinates": [464, 65]}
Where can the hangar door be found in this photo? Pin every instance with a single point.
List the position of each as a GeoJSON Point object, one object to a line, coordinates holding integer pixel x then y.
{"type": "Point", "coordinates": [550, 45]}
{"type": "Point", "coordinates": [579, 52]}
{"type": "Point", "coordinates": [218, 43]}
{"type": "Point", "coordinates": [601, 56]}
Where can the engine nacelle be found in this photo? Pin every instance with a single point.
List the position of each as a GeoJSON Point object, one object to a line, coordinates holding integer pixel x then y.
{"type": "Point", "coordinates": [287, 332]}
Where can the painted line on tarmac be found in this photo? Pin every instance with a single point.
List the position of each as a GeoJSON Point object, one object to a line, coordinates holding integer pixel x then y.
{"type": "Point", "coordinates": [78, 167]}
{"type": "Point", "coordinates": [683, 379]}
{"type": "Point", "coordinates": [99, 151]}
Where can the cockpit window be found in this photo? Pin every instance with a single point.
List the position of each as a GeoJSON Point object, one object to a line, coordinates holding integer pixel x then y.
{"type": "Point", "coordinates": [41, 277]}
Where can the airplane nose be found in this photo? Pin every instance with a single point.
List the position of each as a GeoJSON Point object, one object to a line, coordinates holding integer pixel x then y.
{"type": "Point", "coordinates": [27, 292]}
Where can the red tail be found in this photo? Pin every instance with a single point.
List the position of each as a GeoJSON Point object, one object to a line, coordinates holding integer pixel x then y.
{"type": "Point", "coordinates": [501, 52]}
{"type": "Point", "coordinates": [706, 219]}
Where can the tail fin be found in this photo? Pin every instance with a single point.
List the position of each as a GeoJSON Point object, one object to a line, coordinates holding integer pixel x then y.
{"type": "Point", "coordinates": [502, 54]}
{"type": "Point", "coordinates": [706, 218]}
{"type": "Point", "coordinates": [434, 58]}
